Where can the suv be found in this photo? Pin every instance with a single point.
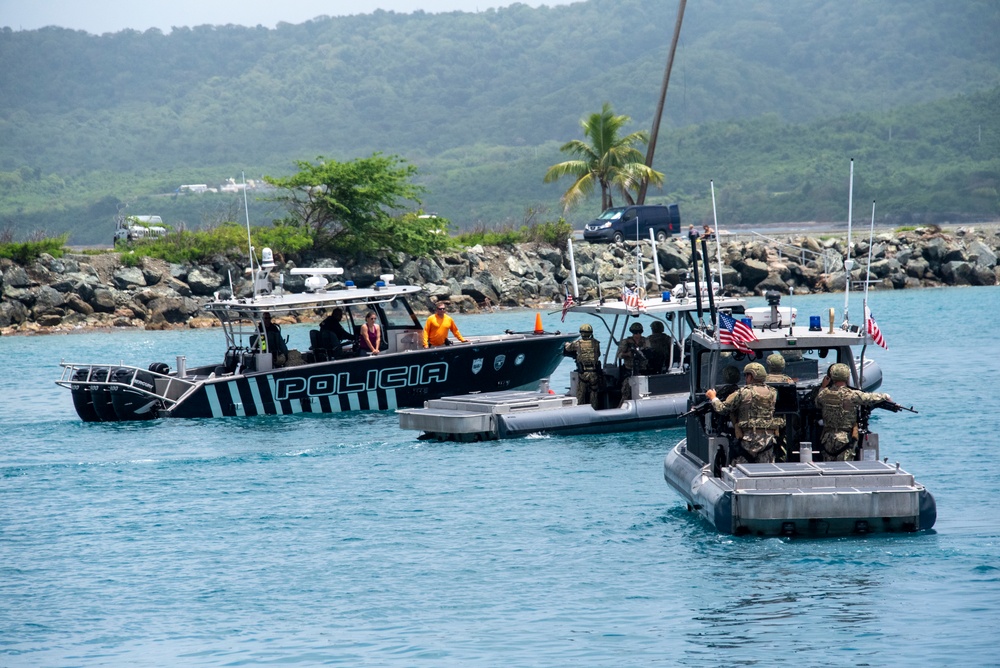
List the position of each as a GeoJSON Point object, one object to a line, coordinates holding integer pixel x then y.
{"type": "Point", "coordinates": [634, 222]}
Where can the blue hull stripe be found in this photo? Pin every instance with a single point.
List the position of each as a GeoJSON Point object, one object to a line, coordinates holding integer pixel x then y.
{"type": "Point", "coordinates": [258, 403]}
{"type": "Point", "coordinates": [234, 392]}
{"type": "Point", "coordinates": [213, 400]}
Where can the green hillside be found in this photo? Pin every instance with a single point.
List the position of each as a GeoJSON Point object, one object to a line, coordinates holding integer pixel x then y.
{"type": "Point", "coordinates": [769, 99]}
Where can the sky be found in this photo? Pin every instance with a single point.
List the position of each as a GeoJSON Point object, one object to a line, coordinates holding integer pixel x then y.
{"type": "Point", "coordinates": [101, 16]}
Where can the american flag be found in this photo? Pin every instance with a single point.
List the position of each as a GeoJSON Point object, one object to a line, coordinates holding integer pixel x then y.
{"type": "Point", "coordinates": [631, 299]}
{"type": "Point", "coordinates": [566, 305]}
{"type": "Point", "coordinates": [733, 332]}
{"type": "Point", "coordinates": [873, 329]}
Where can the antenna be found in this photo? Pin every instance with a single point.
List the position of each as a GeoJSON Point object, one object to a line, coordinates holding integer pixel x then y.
{"type": "Point", "coordinates": [718, 239]}
{"type": "Point", "coordinates": [246, 209]}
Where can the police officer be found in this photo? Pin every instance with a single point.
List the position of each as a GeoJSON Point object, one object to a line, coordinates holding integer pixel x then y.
{"type": "Point", "coordinates": [659, 348]}
{"type": "Point", "coordinates": [587, 352]}
{"type": "Point", "coordinates": [776, 369]}
{"type": "Point", "coordinates": [752, 407]}
{"type": "Point", "coordinates": [633, 353]}
{"type": "Point", "coordinates": [839, 404]}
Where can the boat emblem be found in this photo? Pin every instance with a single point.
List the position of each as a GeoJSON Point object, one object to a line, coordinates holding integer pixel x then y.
{"type": "Point", "coordinates": [519, 359]}
{"type": "Point", "coordinates": [477, 365]}
{"type": "Point", "coordinates": [498, 362]}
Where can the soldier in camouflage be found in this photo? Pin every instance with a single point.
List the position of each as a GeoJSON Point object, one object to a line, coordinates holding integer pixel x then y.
{"type": "Point", "coordinates": [659, 348]}
{"type": "Point", "coordinates": [587, 352]}
{"type": "Point", "coordinates": [730, 382]}
{"type": "Point", "coordinates": [633, 353]}
{"type": "Point", "coordinates": [776, 369]}
{"type": "Point", "coordinates": [839, 405]}
{"type": "Point", "coordinates": [752, 408]}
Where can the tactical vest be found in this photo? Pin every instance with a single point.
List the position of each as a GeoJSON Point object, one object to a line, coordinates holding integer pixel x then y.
{"type": "Point", "coordinates": [756, 407]}
{"type": "Point", "coordinates": [587, 351]}
{"type": "Point", "coordinates": [839, 411]}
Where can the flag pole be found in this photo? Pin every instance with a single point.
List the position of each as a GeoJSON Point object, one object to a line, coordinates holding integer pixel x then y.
{"type": "Point", "coordinates": [848, 261]}
{"type": "Point", "coordinates": [864, 300]}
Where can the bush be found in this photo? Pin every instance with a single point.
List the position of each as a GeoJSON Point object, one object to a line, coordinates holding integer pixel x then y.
{"type": "Point", "coordinates": [26, 252]}
{"type": "Point", "coordinates": [229, 239]}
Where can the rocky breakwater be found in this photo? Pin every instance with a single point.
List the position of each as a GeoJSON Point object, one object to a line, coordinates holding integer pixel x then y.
{"type": "Point", "coordinates": [75, 292]}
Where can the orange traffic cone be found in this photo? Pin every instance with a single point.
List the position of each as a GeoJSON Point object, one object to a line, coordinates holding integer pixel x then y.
{"type": "Point", "coordinates": [538, 324]}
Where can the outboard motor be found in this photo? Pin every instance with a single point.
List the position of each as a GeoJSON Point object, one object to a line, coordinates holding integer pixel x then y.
{"type": "Point", "coordinates": [101, 395]}
{"type": "Point", "coordinates": [82, 399]}
{"type": "Point", "coordinates": [135, 401]}
{"type": "Point", "coordinates": [161, 368]}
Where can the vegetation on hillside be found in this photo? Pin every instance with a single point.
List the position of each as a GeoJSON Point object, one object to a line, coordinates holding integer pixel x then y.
{"type": "Point", "coordinates": [769, 102]}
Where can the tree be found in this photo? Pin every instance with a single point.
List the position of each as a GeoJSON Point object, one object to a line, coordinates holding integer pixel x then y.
{"type": "Point", "coordinates": [609, 160]}
{"type": "Point", "coordinates": [347, 206]}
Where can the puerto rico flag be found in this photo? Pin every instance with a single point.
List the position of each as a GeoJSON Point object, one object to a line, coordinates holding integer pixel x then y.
{"type": "Point", "coordinates": [733, 332]}
{"type": "Point", "coordinates": [873, 330]}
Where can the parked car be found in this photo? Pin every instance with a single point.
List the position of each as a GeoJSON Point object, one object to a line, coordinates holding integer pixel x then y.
{"type": "Point", "coordinates": [634, 222]}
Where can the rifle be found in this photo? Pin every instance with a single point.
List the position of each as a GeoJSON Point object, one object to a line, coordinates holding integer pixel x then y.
{"type": "Point", "coordinates": [893, 406]}
{"type": "Point", "coordinates": [698, 409]}
{"type": "Point", "coordinates": [864, 414]}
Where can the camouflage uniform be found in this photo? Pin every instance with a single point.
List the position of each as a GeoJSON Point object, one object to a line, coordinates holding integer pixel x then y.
{"type": "Point", "coordinates": [659, 347]}
{"type": "Point", "coordinates": [840, 419]}
{"type": "Point", "coordinates": [775, 369]}
{"type": "Point", "coordinates": [587, 353]}
{"type": "Point", "coordinates": [752, 407]}
{"type": "Point", "coordinates": [633, 357]}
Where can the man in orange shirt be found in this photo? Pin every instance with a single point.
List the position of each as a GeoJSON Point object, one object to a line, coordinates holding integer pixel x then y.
{"type": "Point", "coordinates": [437, 328]}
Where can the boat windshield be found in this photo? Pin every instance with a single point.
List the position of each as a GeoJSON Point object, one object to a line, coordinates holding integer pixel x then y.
{"type": "Point", "coordinates": [399, 315]}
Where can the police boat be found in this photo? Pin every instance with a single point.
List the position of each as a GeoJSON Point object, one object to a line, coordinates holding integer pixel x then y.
{"type": "Point", "coordinates": [252, 378]}
{"type": "Point", "coordinates": [797, 494]}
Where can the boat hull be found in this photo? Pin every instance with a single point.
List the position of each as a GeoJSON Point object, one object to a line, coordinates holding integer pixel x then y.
{"type": "Point", "coordinates": [383, 382]}
{"type": "Point", "coordinates": [802, 498]}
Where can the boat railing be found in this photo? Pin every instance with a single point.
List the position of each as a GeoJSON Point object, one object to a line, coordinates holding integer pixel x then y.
{"type": "Point", "coordinates": [168, 389]}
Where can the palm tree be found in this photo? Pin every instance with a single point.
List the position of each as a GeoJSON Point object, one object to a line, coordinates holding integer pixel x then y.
{"type": "Point", "coordinates": [608, 159]}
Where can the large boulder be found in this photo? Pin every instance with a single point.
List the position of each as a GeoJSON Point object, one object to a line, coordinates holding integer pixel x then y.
{"type": "Point", "coordinates": [174, 310]}
{"type": "Point", "coordinates": [752, 272]}
{"type": "Point", "coordinates": [127, 278]}
{"type": "Point", "coordinates": [203, 281]}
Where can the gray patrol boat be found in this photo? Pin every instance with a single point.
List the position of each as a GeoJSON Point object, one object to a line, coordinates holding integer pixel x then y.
{"type": "Point", "coordinates": [796, 495]}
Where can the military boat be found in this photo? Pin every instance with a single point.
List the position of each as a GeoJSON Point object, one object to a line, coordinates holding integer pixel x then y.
{"type": "Point", "coordinates": [796, 495]}
{"type": "Point", "coordinates": [659, 396]}
{"type": "Point", "coordinates": [330, 377]}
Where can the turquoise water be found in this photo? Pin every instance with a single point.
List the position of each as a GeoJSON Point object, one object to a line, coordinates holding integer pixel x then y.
{"type": "Point", "coordinates": [343, 540]}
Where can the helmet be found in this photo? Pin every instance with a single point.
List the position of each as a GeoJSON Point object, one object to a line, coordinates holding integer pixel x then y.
{"type": "Point", "coordinates": [586, 331]}
{"type": "Point", "coordinates": [756, 370]}
{"type": "Point", "coordinates": [776, 362]}
{"type": "Point", "coordinates": [657, 326]}
{"type": "Point", "coordinates": [731, 375]}
{"type": "Point", "coordinates": [840, 372]}
{"type": "Point", "coordinates": [636, 328]}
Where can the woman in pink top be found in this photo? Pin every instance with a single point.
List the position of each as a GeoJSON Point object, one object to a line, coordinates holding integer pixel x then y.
{"type": "Point", "coordinates": [371, 334]}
